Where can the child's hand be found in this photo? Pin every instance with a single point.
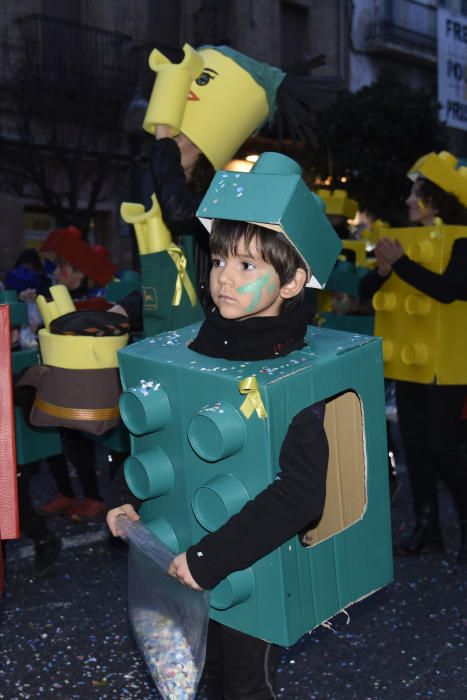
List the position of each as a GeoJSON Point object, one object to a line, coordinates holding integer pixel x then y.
{"type": "Point", "coordinates": [27, 295]}
{"type": "Point", "coordinates": [391, 250]}
{"type": "Point", "coordinates": [114, 514]}
{"type": "Point", "coordinates": [178, 568]}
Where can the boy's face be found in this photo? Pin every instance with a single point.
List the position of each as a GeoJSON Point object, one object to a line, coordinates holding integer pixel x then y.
{"type": "Point", "coordinates": [244, 285]}
{"type": "Point", "coordinates": [67, 275]}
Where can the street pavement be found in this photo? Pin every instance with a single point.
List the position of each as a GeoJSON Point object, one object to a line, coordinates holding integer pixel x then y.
{"type": "Point", "coordinates": [67, 636]}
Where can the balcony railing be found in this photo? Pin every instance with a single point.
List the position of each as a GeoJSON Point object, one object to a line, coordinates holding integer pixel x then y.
{"type": "Point", "coordinates": [71, 54]}
{"type": "Point", "coordinates": [405, 23]}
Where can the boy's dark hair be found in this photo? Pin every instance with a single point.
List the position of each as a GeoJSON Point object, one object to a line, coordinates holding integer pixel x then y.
{"type": "Point", "coordinates": [271, 245]}
{"type": "Point", "coordinates": [447, 205]}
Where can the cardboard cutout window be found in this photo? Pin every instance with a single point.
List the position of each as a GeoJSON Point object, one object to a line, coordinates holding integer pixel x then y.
{"type": "Point", "coordinates": [346, 495]}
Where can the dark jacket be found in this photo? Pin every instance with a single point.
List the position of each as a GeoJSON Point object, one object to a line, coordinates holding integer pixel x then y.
{"type": "Point", "coordinates": [449, 286]}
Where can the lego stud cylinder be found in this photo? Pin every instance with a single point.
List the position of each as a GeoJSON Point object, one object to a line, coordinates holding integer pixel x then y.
{"type": "Point", "coordinates": [421, 252]}
{"type": "Point", "coordinates": [416, 354]}
{"type": "Point", "coordinates": [217, 500]}
{"type": "Point", "coordinates": [162, 529]}
{"type": "Point", "coordinates": [217, 431]}
{"type": "Point", "coordinates": [169, 96]}
{"type": "Point", "coordinates": [417, 305]}
{"type": "Point", "coordinates": [384, 301]}
{"type": "Point", "coordinates": [145, 408]}
{"type": "Point", "coordinates": [236, 588]}
{"type": "Point", "coordinates": [388, 350]}
{"type": "Point", "coordinates": [149, 473]}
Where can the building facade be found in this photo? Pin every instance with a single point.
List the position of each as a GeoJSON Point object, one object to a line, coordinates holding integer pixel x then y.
{"type": "Point", "coordinates": [75, 79]}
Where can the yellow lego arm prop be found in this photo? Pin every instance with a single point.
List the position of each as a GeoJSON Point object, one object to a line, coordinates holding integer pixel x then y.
{"type": "Point", "coordinates": [153, 236]}
{"type": "Point", "coordinates": [171, 89]}
{"type": "Point", "coordinates": [60, 305]}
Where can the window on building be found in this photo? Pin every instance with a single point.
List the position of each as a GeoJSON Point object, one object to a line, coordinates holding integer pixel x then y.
{"type": "Point", "coordinates": [294, 33]}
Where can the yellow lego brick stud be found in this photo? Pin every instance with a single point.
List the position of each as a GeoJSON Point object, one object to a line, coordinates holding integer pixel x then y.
{"type": "Point", "coordinates": [424, 340]}
{"type": "Point", "coordinates": [210, 90]}
{"type": "Point", "coordinates": [72, 351]}
{"type": "Point", "coordinates": [441, 168]}
{"type": "Point", "coordinates": [338, 203]}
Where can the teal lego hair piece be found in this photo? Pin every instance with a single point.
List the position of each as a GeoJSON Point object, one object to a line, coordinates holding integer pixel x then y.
{"type": "Point", "coordinates": [274, 195]}
{"type": "Point", "coordinates": [268, 77]}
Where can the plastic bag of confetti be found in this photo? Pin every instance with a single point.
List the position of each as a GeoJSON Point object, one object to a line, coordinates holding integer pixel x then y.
{"type": "Point", "coordinates": [169, 620]}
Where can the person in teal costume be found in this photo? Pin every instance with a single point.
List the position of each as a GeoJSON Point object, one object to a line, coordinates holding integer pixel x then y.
{"type": "Point", "coordinates": [256, 310]}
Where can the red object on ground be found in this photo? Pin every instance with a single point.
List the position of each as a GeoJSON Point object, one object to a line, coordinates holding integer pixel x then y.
{"type": "Point", "coordinates": [9, 516]}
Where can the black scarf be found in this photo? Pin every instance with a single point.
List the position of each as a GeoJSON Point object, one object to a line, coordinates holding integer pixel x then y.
{"type": "Point", "coordinates": [256, 338]}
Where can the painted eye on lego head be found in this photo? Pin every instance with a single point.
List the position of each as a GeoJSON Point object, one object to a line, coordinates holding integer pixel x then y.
{"type": "Point", "coordinates": [206, 76]}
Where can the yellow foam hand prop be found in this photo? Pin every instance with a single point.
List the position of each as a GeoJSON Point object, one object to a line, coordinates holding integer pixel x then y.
{"type": "Point", "coordinates": [171, 89]}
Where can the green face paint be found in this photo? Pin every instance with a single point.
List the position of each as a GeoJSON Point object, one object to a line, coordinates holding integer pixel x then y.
{"type": "Point", "coordinates": [255, 288]}
{"type": "Point", "coordinates": [272, 288]}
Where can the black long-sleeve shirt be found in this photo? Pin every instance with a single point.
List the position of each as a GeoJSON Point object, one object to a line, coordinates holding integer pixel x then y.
{"type": "Point", "coordinates": [280, 511]}
{"type": "Point", "coordinates": [449, 286]}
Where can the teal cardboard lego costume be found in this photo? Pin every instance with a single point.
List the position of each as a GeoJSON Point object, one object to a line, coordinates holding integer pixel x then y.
{"type": "Point", "coordinates": [206, 434]}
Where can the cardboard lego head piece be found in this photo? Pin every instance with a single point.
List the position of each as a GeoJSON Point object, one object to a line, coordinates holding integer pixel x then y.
{"type": "Point", "coordinates": [217, 97]}
{"type": "Point", "coordinates": [93, 261]}
{"type": "Point", "coordinates": [441, 169]}
{"type": "Point", "coordinates": [274, 195]}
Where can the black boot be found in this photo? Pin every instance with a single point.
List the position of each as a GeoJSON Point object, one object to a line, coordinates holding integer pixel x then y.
{"type": "Point", "coordinates": [462, 556]}
{"type": "Point", "coordinates": [47, 551]}
{"type": "Point", "coordinates": [425, 538]}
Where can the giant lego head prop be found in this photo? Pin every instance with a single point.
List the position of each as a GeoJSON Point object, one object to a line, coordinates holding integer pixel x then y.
{"type": "Point", "coordinates": [441, 169]}
{"type": "Point", "coordinates": [274, 195]}
{"type": "Point", "coordinates": [216, 96]}
{"type": "Point", "coordinates": [93, 261]}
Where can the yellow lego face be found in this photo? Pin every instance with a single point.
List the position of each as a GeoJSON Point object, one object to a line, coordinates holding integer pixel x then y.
{"type": "Point", "coordinates": [225, 106]}
{"type": "Point", "coordinates": [210, 98]}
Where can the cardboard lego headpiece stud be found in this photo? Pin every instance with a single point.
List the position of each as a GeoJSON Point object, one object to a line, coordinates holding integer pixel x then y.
{"type": "Point", "coordinates": [441, 168]}
{"type": "Point", "coordinates": [274, 195]}
{"type": "Point", "coordinates": [93, 261]}
{"type": "Point", "coordinates": [217, 97]}
{"type": "Point", "coordinates": [338, 203]}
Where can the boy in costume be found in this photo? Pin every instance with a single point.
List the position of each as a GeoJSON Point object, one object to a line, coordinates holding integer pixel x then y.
{"type": "Point", "coordinates": [260, 265]}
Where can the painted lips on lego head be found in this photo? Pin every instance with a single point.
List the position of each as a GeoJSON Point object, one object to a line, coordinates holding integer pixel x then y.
{"type": "Point", "coordinates": [217, 97]}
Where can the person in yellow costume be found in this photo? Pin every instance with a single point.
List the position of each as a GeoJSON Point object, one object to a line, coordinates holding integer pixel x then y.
{"type": "Point", "coordinates": [429, 412]}
{"type": "Point", "coordinates": [201, 111]}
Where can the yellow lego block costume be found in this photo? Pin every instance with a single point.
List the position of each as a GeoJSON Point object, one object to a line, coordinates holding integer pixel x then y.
{"type": "Point", "coordinates": [424, 341]}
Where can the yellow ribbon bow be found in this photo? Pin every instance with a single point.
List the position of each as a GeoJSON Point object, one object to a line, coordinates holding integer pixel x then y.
{"type": "Point", "coordinates": [253, 401]}
{"type": "Point", "coordinates": [183, 280]}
